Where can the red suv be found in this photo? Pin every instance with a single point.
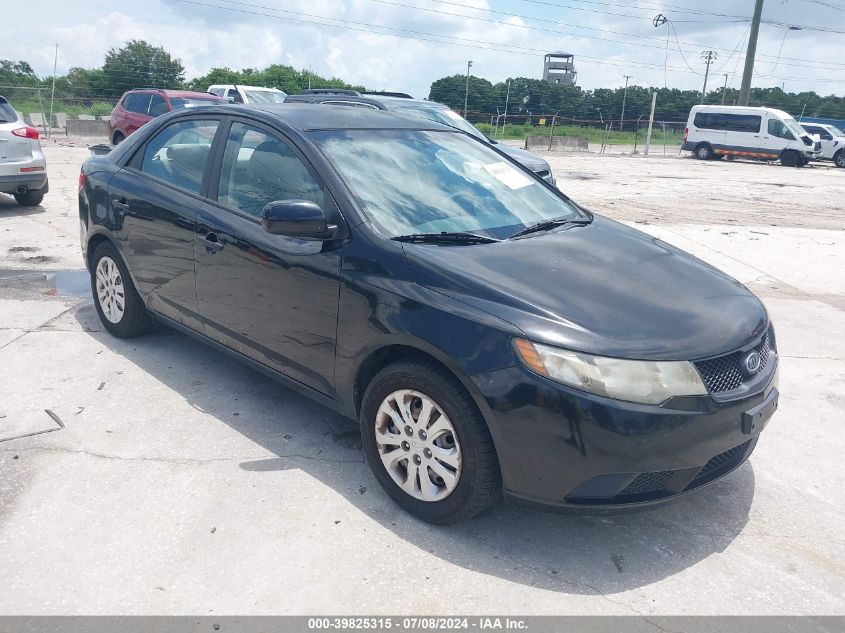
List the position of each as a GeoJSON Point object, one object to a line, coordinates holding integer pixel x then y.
{"type": "Point", "coordinates": [136, 107]}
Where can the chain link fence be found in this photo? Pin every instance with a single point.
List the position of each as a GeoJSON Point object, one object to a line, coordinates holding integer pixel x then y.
{"type": "Point", "coordinates": [49, 112]}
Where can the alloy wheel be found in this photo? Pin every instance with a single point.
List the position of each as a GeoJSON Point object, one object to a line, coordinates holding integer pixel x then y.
{"type": "Point", "coordinates": [110, 291]}
{"type": "Point", "coordinates": [418, 445]}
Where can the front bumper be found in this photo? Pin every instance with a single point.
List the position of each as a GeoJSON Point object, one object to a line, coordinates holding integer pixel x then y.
{"type": "Point", "coordinates": [558, 446]}
{"type": "Point", "coordinates": [34, 180]}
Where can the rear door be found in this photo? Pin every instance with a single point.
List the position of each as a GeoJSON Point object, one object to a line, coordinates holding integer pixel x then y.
{"type": "Point", "coordinates": [154, 200]}
{"type": "Point", "coordinates": [709, 129]}
{"type": "Point", "coordinates": [137, 109]}
{"type": "Point", "coordinates": [270, 297]}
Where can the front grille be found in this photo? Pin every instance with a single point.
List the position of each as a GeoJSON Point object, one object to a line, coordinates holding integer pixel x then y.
{"type": "Point", "coordinates": [726, 373]}
{"type": "Point", "coordinates": [720, 460]}
{"type": "Point", "coordinates": [648, 482]}
{"type": "Point", "coordinates": [818, 146]}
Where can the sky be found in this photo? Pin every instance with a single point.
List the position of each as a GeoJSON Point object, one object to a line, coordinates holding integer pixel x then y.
{"type": "Point", "coordinates": [404, 45]}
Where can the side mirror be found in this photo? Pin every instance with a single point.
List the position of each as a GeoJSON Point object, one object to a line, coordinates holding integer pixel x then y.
{"type": "Point", "coordinates": [297, 218]}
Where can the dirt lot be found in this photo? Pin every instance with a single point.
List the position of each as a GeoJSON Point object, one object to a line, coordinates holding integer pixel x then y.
{"type": "Point", "coordinates": [167, 479]}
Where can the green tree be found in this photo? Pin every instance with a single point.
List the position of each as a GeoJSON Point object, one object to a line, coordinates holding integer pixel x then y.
{"type": "Point", "coordinates": [140, 65]}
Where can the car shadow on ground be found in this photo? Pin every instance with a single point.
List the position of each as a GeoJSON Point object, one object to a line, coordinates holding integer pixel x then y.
{"type": "Point", "coordinates": [9, 207]}
{"type": "Point", "coordinates": [584, 553]}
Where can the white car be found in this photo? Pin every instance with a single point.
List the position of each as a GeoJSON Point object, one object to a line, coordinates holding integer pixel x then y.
{"type": "Point", "coordinates": [248, 94]}
{"type": "Point", "coordinates": [23, 170]}
{"type": "Point", "coordinates": [715, 131]}
{"type": "Point", "coordinates": [832, 139]}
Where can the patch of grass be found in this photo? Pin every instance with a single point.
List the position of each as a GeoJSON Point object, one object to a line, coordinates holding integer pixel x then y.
{"type": "Point", "coordinates": [71, 108]}
{"type": "Point", "coordinates": [593, 135]}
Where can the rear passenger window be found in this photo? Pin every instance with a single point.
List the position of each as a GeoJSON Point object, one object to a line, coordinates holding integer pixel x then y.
{"type": "Point", "coordinates": [178, 155]}
{"type": "Point", "coordinates": [259, 168]}
{"type": "Point", "coordinates": [138, 103]}
{"type": "Point", "coordinates": [728, 122]}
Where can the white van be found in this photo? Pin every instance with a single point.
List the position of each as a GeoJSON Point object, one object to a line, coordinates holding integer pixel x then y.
{"type": "Point", "coordinates": [716, 131]}
{"type": "Point", "coordinates": [248, 94]}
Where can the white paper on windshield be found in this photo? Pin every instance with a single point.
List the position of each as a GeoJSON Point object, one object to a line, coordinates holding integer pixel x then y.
{"type": "Point", "coordinates": [507, 175]}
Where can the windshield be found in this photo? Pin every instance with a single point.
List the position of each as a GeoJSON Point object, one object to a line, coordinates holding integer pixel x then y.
{"type": "Point", "coordinates": [412, 181]}
{"type": "Point", "coordinates": [443, 115]}
{"type": "Point", "coordinates": [792, 124]}
{"type": "Point", "coordinates": [180, 103]}
{"type": "Point", "coordinates": [264, 96]}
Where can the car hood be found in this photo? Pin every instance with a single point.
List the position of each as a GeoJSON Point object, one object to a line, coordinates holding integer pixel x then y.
{"type": "Point", "coordinates": [532, 161]}
{"type": "Point", "coordinates": [604, 288]}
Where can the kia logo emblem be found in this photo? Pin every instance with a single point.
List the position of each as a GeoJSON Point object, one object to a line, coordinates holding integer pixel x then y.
{"type": "Point", "coordinates": [752, 362]}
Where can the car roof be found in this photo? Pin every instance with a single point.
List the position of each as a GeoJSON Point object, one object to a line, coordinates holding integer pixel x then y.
{"type": "Point", "coordinates": [387, 101]}
{"type": "Point", "coordinates": [175, 93]}
{"type": "Point", "coordinates": [244, 86]}
{"type": "Point", "coordinates": [309, 117]}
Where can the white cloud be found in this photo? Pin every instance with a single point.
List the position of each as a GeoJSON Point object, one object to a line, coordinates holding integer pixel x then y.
{"type": "Point", "coordinates": [204, 37]}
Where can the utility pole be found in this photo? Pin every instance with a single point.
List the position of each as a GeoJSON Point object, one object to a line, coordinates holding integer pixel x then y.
{"type": "Point", "coordinates": [507, 98]}
{"type": "Point", "coordinates": [748, 71]}
{"type": "Point", "coordinates": [624, 99]}
{"type": "Point", "coordinates": [709, 57]}
{"type": "Point", "coordinates": [466, 92]}
{"type": "Point", "coordinates": [650, 121]}
{"type": "Point", "coordinates": [725, 89]}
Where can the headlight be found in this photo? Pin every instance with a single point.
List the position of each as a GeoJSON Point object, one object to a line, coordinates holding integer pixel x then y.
{"type": "Point", "coordinates": [648, 382]}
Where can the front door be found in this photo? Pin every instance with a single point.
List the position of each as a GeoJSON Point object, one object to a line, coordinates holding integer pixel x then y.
{"type": "Point", "coordinates": [271, 297]}
{"type": "Point", "coordinates": [154, 202]}
{"type": "Point", "coordinates": [774, 137]}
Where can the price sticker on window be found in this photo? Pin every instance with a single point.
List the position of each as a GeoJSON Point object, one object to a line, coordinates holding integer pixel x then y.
{"type": "Point", "coordinates": [507, 175]}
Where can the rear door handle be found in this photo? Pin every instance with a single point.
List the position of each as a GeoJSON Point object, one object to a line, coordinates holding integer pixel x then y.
{"type": "Point", "coordinates": [212, 244]}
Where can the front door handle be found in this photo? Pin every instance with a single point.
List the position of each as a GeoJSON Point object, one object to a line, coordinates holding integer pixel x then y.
{"type": "Point", "coordinates": [212, 244]}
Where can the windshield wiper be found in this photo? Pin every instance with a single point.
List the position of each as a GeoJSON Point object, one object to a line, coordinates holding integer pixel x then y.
{"type": "Point", "coordinates": [547, 225]}
{"type": "Point", "coordinates": [445, 237]}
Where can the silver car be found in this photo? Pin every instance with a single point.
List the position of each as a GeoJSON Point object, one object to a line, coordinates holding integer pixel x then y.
{"type": "Point", "coordinates": [23, 170]}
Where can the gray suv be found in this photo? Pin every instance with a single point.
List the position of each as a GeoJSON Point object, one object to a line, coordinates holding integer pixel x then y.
{"type": "Point", "coordinates": [405, 104]}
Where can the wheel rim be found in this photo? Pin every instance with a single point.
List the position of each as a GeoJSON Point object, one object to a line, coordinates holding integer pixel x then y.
{"type": "Point", "coordinates": [110, 290]}
{"type": "Point", "coordinates": [840, 160]}
{"type": "Point", "coordinates": [703, 152]}
{"type": "Point", "coordinates": [418, 445]}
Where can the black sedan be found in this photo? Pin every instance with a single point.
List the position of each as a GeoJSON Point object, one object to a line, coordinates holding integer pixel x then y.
{"type": "Point", "coordinates": [488, 333]}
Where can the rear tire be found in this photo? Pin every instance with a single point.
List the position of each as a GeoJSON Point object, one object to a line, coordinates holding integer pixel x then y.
{"type": "Point", "coordinates": [790, 158]}
{"type": "Point", "coordinates": [117, 138]}
{"type": "Point", "coordinates": [704, 152]}
{"type": "Point", "coordinates": [457, 437]}
{"type": "Point", "coordinates": [839, 158]}
{"type": "Point", "coordinates": [118, 304]}
{"type": "Point", "coordinates": [31, 198]}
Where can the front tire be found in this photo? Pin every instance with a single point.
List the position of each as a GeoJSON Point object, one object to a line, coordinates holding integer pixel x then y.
{"type": "Point", "coordinates": [118, 304]}
{"type": "Point", "coordinates": [31, 198]}
{"type": "Point", "coordinates": [704, 152]}
{"type": "Point", "coordinates": [427, 444]}
{"type": "Point", "coordinates": [790, 158]}
{"type": "Point", "coordinates": [839, 158]}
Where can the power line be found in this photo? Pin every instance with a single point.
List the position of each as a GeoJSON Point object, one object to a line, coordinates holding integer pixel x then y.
{"type": "Point", "coordinates": [352, 25]}
{"type": "Point", "coordinates": [557, 32]}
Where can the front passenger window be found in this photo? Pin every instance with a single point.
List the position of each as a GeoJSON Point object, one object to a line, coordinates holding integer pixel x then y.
{"type": "Point", "coordinates": [259, 168]}
{"type": "Point", "coordinates": [779, 129]}
{"type": "Point", "coordinates": [178, 155]}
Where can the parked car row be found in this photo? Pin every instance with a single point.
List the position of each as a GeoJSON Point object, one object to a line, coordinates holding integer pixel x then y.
{"type": "Point", "coordinates": [489, 335]}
